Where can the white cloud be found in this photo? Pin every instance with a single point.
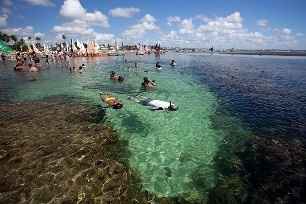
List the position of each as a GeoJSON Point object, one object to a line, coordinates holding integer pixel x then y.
{"type": "Point", "coordinates": [3, 20]}
{"type": "Point", "coordinates": [202, 18]}
{"type": "Point", "coordinates": [21, 32]}
{"type": "Point", "coordinates": [6, 7]}
{"type": "Point", "coordinates": [263, 23]}
{"type": "Point", "coordinates": [146, 24]}
{"type": "Point", "coordinates": [39, 35]}
{"type": "Point", "coordinates": [6, 10]}
{"type": "Point", "coordinates": [73, 9]}
{"type": "Point", "coordinates": [40, 2]}
{"type": "Point", "coordinates": [75, 27]}
{"type": "Point", "coordinates": [82, 30]}
{"type": "Point", "coordinates": [229, 24]}
{"type": "Point", "coordinates": [7, 3]}
{"type": "Point", "coordinates": [300, 34]}
{"type": "Point", "coordinates": [224, 32]}
{"type": "Point", "coordinates": [124, 12]}
{"type": "Point", "coordinates": [286, 31]}
{"type": "Point", "coordinates": [103, 36]}
{"type": "Point", "coordinates": [186, 26]}
{"type": "Point", "coordinates": [173, 20]}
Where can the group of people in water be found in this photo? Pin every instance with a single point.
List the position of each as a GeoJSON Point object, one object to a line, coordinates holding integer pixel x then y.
{"type": "Point", "coordinates": [147, 84]}
{"type": "Point", "coordinates": [27, 62]}
{"type": "Point", "coordinates": [31, 61]}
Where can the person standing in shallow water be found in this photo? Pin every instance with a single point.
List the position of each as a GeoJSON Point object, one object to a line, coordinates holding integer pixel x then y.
{"type": "Point", "coordinates": [173, 63]}
{"type": "Point", "coordinates": [47, 59]}
{"type": "Point", "coordinates": [3, 57]}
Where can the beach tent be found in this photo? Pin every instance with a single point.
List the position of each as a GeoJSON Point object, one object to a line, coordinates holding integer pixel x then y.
{"type": "Point", "coordinates": [74, 49]}
{"type": "Point", "coordinates": [46, 49]}
{"type": "Point", "coordinates": [4, 48]}
{"type": "Point", "coordinates": [97, 47]}
{"type": "Point", "coordinates": [35, 49]}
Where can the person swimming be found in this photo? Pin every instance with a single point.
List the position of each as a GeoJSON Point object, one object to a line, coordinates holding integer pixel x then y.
{"type": "Point", "coordinates": [157, 65]}
{"type": "Point", "coordinates": [81, 68]}
{"type": "Point", "coordinates": [148, 84]}
{"type": "Point", "coordinates": [115, 77]}
{"type": "Point", "coordinates": [155, 105]}
{"type": "Point", "coordinates": [173, 63]}
{"type": "Point", "coordinates": [110, 101]}
{"type": "Point", "coordinates": [33, 68]}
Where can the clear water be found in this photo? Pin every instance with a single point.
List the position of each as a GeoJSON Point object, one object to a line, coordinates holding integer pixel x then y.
{"type": "Point", "coordinates": [171, 150]}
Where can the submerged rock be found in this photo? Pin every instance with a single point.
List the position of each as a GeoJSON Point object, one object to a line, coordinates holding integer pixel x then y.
{"type": "Point", "coordinates": [276, 170]}
{"type": "Point", "coordinates": [55, 151]}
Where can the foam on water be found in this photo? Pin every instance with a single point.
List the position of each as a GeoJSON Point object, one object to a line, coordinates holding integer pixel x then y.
{"type": "Point", "coordinates": [166, 148]}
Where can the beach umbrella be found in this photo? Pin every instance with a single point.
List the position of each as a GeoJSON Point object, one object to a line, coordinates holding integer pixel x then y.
{"type": "Point", "coordinates": [5, 48]}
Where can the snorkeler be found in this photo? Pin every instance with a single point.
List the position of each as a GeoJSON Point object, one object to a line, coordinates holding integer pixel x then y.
{"type": "Point", "coordinates": [155, 105]}
{"type": "Point", "coordinates": [148, 84]}
{"type": "Point", "coordinates": [111, 101]}
{"type": "Point", "coordinates": [115, 77]}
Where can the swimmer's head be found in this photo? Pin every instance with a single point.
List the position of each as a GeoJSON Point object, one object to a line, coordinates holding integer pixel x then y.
{"type": "Point", "coordinates": [172, 107]}
{"type": "Point", "coordinates": [117, 105]}
{"type": "Point", "coordinates": [121, 78]}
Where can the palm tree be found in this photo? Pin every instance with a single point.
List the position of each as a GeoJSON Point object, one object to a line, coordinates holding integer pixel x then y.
{"type": "Point", "coordinates": [14, 38]}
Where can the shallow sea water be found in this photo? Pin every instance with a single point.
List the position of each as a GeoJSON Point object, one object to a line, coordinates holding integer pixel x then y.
{"type": "Point", "coordinates": [170, 151]}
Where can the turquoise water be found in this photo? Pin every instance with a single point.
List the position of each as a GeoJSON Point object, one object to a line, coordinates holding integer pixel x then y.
{"type": "Point", "coordinates": [167, 149]}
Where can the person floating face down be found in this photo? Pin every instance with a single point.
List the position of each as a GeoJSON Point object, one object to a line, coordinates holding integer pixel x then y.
{"type": "Point", "coordinates": [111, 101]}
{"type": "Point", "coordinates": [148, 84]}
{"type": "Point", "coordinates": [115, 77]}
{"type": "Point", "coordinates": [154, 104]}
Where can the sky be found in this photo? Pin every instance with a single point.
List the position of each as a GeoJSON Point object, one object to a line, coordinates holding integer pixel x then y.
{"type": "Point", "coordinates": [245, 24]}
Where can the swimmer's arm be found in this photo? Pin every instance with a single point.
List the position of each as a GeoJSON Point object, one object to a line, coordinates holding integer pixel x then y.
{"type": "Point", "coordinates": [156, 108]}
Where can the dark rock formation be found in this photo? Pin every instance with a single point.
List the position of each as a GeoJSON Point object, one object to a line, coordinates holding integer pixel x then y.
{"type": "Point", "coordinates": [276, 170]}
{"type": "Point", "coordinates": [53, 151]}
